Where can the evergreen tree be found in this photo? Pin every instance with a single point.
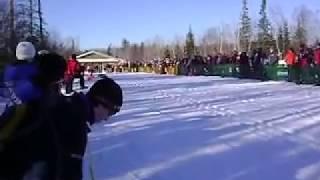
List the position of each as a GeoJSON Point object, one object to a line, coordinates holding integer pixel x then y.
{"type": "Point", "coordinates": [167, 52]}
{"type": "Point", "coordinates": [265, 39]}
{"type": "Point", "coordinates": [141, 54]}
{"type": "Point", "coordinates": [245, 29]}
{"type": "Point", "coordinates": [189, 49]}
{"type": "Point", "coordinates": [125, 54]}
{"type": "Point", "coordinates": [109, 50]}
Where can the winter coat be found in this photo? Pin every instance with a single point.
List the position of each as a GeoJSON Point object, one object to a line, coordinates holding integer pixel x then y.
{"type": "Point", "coordinates": [303, 58]}
{"type": "Point", "coordinates": [30, 144]}
{"type": "Point", "coordinates": [57, 139]}
{"type": "Point", "coordinates": [73, 68]}
{"type": "Point", "coordinates": [71, 116]}
{"type": "Point", "coordinates": [291, 58]}
{"type": "Point", "coordinates": [21, 78]}
{"type": "Point", "coordinates": [317, 56]}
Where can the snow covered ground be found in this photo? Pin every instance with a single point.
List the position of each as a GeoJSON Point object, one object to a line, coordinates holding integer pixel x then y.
{"type": "Point", "coordinates": [208, 128]}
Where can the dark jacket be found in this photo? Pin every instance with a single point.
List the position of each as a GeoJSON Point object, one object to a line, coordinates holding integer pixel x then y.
{"type": "Point", "coordinates": [57, 136]}
{"type": "Point", "coordinates": [30, 143]}
{"type": "Point", "coordinates": [71, 116]}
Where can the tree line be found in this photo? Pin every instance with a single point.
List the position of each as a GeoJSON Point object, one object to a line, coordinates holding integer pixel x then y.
{"type": "Point", "coordinates": [274, 31]}
{"type": "Point", "coordinates": [23, 20]}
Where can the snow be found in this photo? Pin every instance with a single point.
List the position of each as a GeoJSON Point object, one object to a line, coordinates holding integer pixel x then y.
{"type": "Point", "coordinates": [174, 127]}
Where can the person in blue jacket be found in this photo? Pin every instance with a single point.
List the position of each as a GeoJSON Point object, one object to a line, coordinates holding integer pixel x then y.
{"type": "Point", "coordinates": [19, 76]}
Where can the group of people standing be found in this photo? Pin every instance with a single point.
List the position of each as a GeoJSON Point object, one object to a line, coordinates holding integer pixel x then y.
{"type": "Point", "coordinates": [304, 65]}
{"type": "Point", "coordinates": [43, 133]}
{"type": "Point", "coordinates": [244, 65]}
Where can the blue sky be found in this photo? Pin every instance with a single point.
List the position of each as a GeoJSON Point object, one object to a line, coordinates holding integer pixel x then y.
{"type": "Point", "coordinates": [99, 22]}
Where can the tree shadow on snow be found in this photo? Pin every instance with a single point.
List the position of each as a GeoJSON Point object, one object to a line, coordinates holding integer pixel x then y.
{"type": "Point", "coordinates": [187, 149]}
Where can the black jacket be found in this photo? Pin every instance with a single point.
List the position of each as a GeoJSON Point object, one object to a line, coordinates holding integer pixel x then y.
{"type": "Point", "coordinates": [71, 118]}
{"type": "Point", "coordinates": [31, 143]}
{"type": "Point", "coordinates": [57, 138]}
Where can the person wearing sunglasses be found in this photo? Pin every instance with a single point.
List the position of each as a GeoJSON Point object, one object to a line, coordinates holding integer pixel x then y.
{"type": "Point", "coordinates": [73, 119]}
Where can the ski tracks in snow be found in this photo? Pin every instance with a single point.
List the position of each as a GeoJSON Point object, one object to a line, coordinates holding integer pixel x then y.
{"type": "Point", "coordinates": [168, 123]}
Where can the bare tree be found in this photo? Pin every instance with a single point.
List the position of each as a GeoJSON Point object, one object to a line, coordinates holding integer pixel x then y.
{"type": "Point", "coordinates": [40, 15]}
{"type": "Point", "coordinates": [212, 37]}
{"type": "Point", "coordinates": [278, 21]}
{"type": "Point", "coordinates": [31, 16]}
{"type": "Point", "coordinates": [12, 39]}
{"type": "Point", "coordinates": [3, 27]}
{"type": "Point", "coordinates": [300, 28]}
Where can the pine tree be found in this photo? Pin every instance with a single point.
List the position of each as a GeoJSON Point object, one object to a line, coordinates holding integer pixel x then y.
{"type": "Point", "coordinates": [286, 36]}
{"type": "Point", "coordinates": [245, 29]}
{"type": "Point", "coordinates": [109, 50]}
{"type": "Point", "coordinates": [125, 49]}
{"type": "Point", "coordinates": [189, 49]}
{"type": "Point", "coordinates": [265, 39]}
{"type": "Point", "coordinates": [141, 53]}
{"type": "Point", "coordinates": [167, 53]}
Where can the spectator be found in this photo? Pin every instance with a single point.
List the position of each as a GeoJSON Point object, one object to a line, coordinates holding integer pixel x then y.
{"type": "Point", "coordinates": [73, 70]}
{"type": "Point", "coordinates": [291, 60]}
{"type": "Point", "coordinates": [317, 63]}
